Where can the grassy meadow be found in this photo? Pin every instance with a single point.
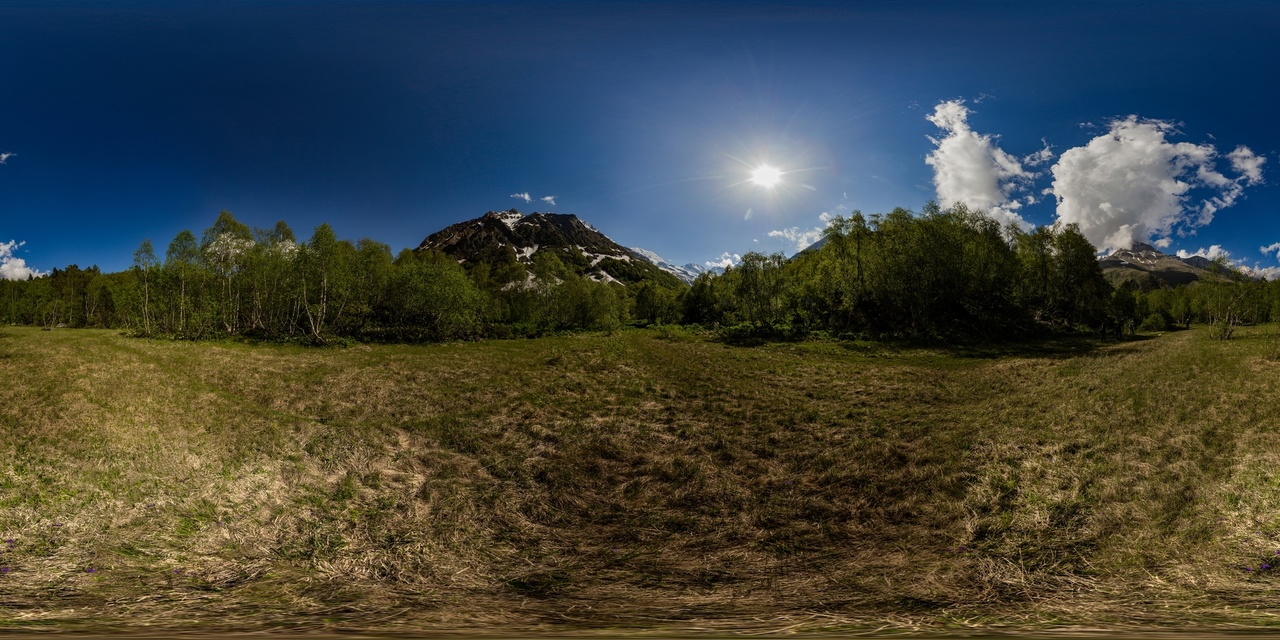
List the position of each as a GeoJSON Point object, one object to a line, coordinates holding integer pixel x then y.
{"type": "Point", "coordinates": [644, 480]}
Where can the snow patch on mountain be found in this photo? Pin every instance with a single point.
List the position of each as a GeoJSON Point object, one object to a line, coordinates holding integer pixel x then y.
{"type": "Point", "coordinates": [510, 218]}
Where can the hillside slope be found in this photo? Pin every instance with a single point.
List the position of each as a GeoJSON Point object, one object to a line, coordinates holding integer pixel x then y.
{"type": "Point", "coordinates": [636, 480]}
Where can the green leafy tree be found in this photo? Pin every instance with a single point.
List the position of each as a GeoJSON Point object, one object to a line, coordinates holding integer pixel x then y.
{"type": "Point", "coordinates": [145, 266]}
{"type": "Point", "coordinates": [182, 265]}
{"type": "Point", "coordinates": [327, 282]}
{"type": "Point", "coordinates": [434, 299]}
{"type": "Point", "coordinates": [759, 288]}
{"type": "Point", "coordinates": [1224, 297]}
{"type": "Point", "coordinates": [655, 304]}
{"type": "Point", "coordinates": [225, 247]}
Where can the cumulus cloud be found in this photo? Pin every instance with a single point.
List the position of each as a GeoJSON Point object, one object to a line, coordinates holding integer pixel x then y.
{"type": "Point", "coordinates": [12, 267]}
{"type": "Point", "coordinates": [802, 239]}
{"type": "Point", "coordinates": [4, 156]}
{"type": "Point", "coordinates": [1131, 184]}
{"type": "Point", "coordinates": [551, 200]}
{"type": "Point", "coordinates": [1215, 252]}
{"type": "Point", "coordinates": [1248, 164]}
{"type": "Point", "coordinates": [522, 196]}
{"type": "Point", "coordinates": [1270, 273]}
{"type": "Point", "coordinates": [1256, 271]}
{"type": "Point", "coordinates": [1212, 253]}
{"type": "Point", "coordinates": [970, 167]}
{"type": "Point", "coordinates": [725, 260]}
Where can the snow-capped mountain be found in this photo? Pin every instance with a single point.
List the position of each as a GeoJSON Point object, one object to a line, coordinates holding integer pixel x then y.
{"type": "Point", "coordinates": [1150, 268]}
{"type": "Point", "coordinates": [503, 237]}
{"type": "Point", "coordinates": [686, 273]}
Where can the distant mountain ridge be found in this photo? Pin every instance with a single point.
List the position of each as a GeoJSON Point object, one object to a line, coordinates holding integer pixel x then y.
{"type": "Point", "coordinates": [502, 237]}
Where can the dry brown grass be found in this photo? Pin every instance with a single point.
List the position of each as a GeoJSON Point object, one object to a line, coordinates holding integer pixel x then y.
{"type": "Point", "coordinates": [636, 482]}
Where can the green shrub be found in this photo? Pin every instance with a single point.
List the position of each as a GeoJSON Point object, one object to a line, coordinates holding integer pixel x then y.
{"type": "Point", "coordinates": [1154, 322]}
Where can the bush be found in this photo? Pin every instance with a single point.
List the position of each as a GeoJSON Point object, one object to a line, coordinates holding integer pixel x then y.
{"type": "Point", "coordinates": [1154, 322]}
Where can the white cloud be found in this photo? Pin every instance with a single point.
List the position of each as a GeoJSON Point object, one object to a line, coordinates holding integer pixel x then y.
{"type": "Point", "coordinates": [4, 157]}
{"type": "Point", "coordinates": [1040, 157]}
{"type": "Point", "coordinates": [1270, 273]}
{"type": "Point", "coordinates": [551, 200]}
{"type": "Point", "coordinates": [1247, 164]}
{"type": "Point", "coordinates": [13, 268]}
{"type": "Point", "coordinates": [970, 167]}
{"type": "Point", "coordinates": [522, 196]}
{"type": "Point", "coordinates": [802, 239]}
{"type": "Point", "coordinates": [1256, 271]}
{"type": "Point", "coordinates": [1130, 184]}
{"type": "Point", "coordinates": [725, 260]}
{"type": "Point", "coordinates": [1212, 253]}
{"type": "Point", "coordinates": [1271, 248]}
{"type": "Point", "coordinates": [1163, 243]}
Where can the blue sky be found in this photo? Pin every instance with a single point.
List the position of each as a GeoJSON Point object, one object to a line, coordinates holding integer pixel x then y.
{"type": "Point", "coordinates": [121, 121]}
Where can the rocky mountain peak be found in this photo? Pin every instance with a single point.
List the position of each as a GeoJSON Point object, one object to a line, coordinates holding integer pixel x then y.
{"type": "Point", "coordinates": [502, 237]}
{"type": "Point", "coordinates": [1151, 267]}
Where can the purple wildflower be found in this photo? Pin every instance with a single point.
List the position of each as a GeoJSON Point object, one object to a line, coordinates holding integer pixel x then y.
{"type": "Point", "coordinates": [1265, 567]}
{"type": "Point", "coordinates": [90, 570]}
{"type": "Point", "coordinates": [4, 569]}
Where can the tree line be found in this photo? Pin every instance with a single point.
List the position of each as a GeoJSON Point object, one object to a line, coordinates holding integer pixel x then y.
{"type": "Point", "coordinates": [265, 283]}
{"type": "Point", "coordinates": [933, 274]}
{"type": "Point", "coordinates": [957, 272]}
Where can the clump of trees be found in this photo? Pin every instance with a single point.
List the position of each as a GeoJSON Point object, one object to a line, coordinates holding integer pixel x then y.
{"type": "Point", "coordinates": [941, 272]}
{"type": "Point", "coordinates": [956, 272]}
{"type": "Point", "coordinates": [1224, 301]}
{"type": "Point", "coordinates": [938, 273]}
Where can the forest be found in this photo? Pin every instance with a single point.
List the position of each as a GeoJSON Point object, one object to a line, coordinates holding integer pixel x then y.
{"type": "Point", "coordinates": [936, 274]}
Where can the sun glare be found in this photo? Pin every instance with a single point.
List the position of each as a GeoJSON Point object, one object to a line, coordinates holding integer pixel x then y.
{"type": "Point", "coordinates": [766, 176]}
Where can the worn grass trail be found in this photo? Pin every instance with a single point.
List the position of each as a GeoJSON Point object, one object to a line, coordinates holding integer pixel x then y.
{"type": "Point", "coordinates": [640, 480]}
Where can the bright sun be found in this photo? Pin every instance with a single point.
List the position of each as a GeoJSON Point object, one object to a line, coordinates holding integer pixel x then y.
{"type": "Point", "coordinates": [766, 176]}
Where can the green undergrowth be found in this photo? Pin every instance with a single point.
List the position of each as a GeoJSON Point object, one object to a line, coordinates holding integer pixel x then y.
{"type": "Point", "coordinates": [638, 480]}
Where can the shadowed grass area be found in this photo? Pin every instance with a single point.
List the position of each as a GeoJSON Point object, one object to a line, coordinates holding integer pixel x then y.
{"type": "Point", "coordinates": [641, 480]}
